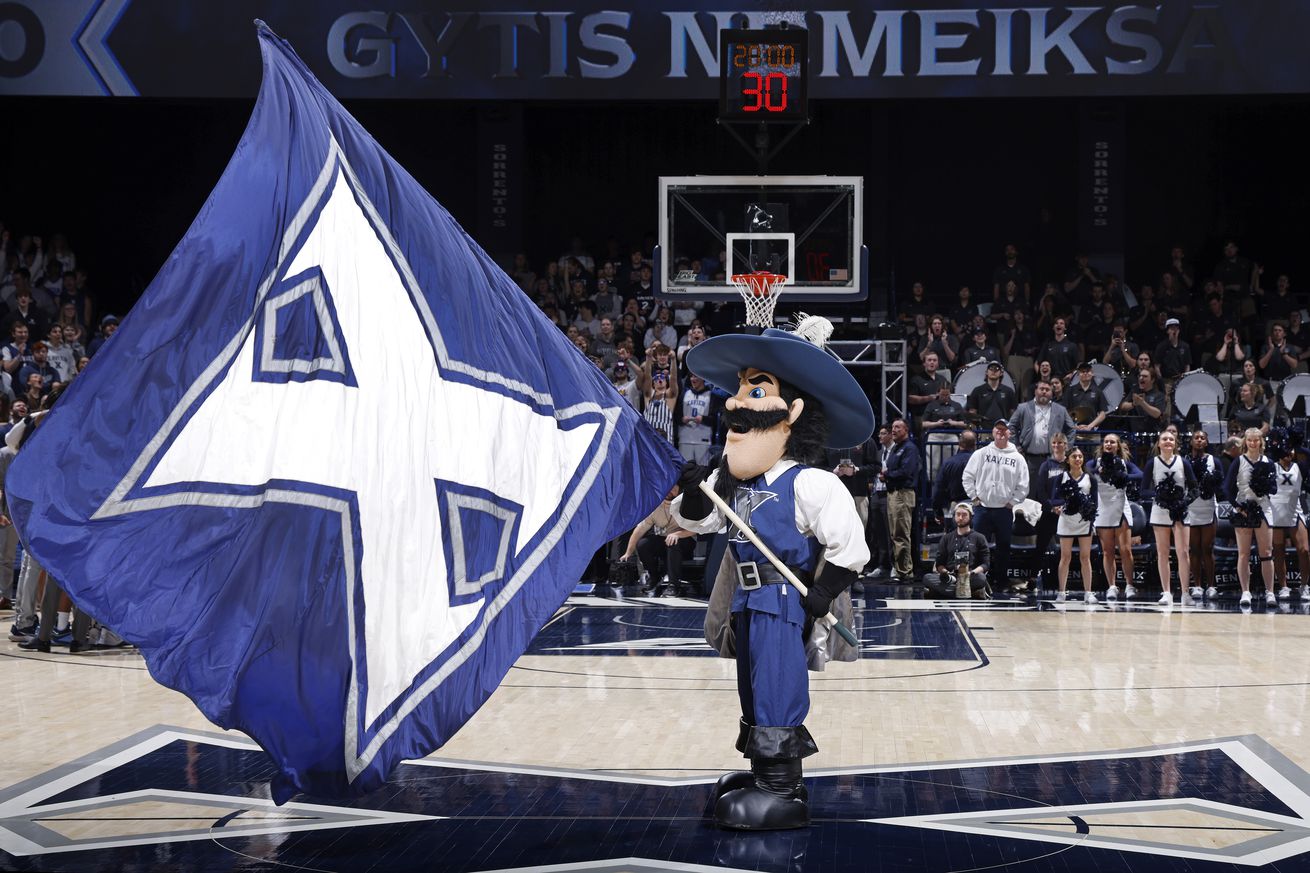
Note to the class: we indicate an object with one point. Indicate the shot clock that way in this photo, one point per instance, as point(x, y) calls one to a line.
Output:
point(763, 75)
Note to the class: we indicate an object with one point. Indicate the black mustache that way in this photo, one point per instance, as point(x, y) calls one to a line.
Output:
point(726, 485)
point(743, 420)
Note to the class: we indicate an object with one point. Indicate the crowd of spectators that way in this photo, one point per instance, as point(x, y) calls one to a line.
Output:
point(47, 310)
point(1018, 335)
point(608, 308)
point(1034, 351)
point(1066, 370)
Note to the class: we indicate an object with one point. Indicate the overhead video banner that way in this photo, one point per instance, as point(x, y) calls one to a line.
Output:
point(586, 49)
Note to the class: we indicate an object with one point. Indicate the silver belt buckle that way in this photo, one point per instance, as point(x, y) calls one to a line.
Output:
point(748, 574)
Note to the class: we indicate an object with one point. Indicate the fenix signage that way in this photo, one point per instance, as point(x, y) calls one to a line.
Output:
point(587, 50)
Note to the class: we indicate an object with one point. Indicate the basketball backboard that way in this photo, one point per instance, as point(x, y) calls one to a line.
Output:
point(808, 228)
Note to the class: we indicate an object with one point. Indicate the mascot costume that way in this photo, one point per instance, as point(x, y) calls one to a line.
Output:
point(790, 400)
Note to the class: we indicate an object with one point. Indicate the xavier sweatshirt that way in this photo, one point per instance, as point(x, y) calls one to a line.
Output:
point(995, 477)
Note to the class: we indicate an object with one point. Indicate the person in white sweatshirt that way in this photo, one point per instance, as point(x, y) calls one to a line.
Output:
point(996, 478)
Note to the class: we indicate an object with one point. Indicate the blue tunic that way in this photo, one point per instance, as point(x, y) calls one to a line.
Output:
point(772, 674)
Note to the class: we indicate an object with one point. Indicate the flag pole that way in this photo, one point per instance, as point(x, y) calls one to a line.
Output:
point(842, 630)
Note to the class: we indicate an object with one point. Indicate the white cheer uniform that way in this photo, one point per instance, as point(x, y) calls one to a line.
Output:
point(1285, 503)
point(1073, 525)
point(1112, 507)
point(1159, 471)
point(1201, 511)
point(1243, 488)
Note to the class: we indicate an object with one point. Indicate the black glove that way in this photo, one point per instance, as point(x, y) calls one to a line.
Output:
point(695, 505)
point(817, 603)
point(826, 588)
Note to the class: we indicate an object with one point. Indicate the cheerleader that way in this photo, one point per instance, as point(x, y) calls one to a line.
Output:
point(1074, 500)
point(1250, 482)
point(1172, 483)
point(1289, 521)
point(1200, 518)
point(1044, 484)
point(1114, 473)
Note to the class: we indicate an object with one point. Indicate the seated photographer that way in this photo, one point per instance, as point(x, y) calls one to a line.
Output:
point(962, 560)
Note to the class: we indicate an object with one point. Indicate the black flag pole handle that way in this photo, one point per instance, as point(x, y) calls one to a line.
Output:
point(830, 619)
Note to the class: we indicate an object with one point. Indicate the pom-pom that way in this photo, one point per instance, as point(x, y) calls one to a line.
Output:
point(1246, 513)
point(1296, 434)
point(1071, 495)
point(1172, 497)
point(1277, 444)
point(1209, 481)
point(1114, 471)
point(1264, 478)
point(1075, 501)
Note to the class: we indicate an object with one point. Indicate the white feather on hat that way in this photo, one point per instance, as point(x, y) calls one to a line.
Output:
point(814, 328)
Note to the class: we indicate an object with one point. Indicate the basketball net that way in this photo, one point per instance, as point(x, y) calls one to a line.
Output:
point(759, 291)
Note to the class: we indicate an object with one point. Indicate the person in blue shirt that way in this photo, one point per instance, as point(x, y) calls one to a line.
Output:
point(948, 490)
point(901, 476)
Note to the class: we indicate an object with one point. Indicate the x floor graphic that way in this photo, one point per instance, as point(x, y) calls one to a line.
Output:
point(195, 800)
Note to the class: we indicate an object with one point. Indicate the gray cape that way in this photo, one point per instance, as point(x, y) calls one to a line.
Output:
point(822, 646)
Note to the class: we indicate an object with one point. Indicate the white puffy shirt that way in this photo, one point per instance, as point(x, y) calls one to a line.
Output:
point(824, 510)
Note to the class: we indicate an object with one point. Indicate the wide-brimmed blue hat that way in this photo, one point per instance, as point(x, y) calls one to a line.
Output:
point(797, 361)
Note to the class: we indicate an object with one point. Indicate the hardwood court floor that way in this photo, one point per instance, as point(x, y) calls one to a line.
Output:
point(966, 738)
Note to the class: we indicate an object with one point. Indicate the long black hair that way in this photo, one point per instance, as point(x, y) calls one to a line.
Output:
point(809, 434)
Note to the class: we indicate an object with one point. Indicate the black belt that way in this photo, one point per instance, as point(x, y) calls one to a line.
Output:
point(752, 575)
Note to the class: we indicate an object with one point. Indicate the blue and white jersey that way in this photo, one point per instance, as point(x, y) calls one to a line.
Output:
point(695, 404)
point(1285, 503)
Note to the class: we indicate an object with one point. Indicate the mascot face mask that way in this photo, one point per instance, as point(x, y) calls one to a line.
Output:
point(759, 423)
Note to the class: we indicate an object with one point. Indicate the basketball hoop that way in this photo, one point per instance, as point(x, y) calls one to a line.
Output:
point(759, 291)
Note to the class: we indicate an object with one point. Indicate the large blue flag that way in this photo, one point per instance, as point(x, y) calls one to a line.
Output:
point(334, 471)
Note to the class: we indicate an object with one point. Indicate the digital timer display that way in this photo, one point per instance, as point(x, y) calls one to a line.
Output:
point(763, 75)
